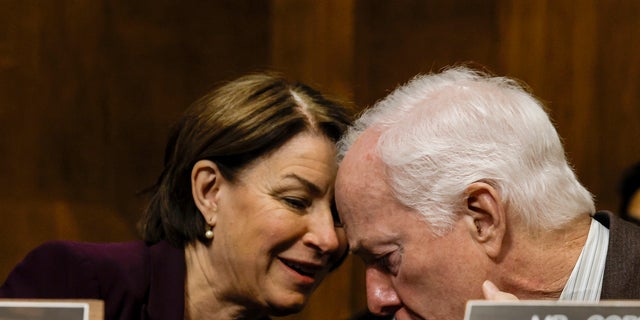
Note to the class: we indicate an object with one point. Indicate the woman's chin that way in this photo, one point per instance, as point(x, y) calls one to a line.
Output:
point(290, 306)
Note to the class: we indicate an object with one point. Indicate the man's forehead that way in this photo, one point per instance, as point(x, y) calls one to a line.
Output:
point(361, 161)
point(365, 231)
point(362, 191)
point(370, 215)
point(364, 147)
point(362, 186)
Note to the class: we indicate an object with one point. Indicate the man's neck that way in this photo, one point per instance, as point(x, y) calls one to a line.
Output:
point(538, 265)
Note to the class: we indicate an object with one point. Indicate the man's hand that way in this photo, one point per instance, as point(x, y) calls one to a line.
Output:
point(491, 292)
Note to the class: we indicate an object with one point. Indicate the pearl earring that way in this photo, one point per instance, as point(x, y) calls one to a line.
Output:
point(209, 233)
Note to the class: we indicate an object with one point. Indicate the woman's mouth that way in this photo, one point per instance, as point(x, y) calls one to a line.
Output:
point(306, 270)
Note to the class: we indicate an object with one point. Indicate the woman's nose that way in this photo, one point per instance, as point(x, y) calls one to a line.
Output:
point(321, 233)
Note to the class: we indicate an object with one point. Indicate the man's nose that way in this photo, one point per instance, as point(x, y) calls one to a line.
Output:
point(382, 298)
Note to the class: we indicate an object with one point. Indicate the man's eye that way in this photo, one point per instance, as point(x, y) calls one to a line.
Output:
point(388, 263)
point(336, 218)
point(383, 262)
point(296, 203)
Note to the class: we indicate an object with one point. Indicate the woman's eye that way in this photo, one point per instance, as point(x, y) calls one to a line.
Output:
point(336, 217)
point(296, 203)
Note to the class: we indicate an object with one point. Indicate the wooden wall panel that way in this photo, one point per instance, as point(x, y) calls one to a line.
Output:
point(396, 40)
point(581, 58)
point(312, 41)
point(618, 96)
point(88, 91)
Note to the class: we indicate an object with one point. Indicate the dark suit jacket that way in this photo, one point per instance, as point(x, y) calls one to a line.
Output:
point(622, 269)
point(136, 281)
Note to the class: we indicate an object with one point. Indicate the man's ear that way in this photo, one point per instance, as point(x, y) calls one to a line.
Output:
point(485, 217)
point(205, 188)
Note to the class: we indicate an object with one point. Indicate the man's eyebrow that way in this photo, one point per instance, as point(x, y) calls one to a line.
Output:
point(358, 249)
point(310, 186)
point(355, 249)
point(369, 249)
point(363, 253)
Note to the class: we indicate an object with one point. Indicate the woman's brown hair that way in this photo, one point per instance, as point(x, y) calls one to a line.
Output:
point(231, 126)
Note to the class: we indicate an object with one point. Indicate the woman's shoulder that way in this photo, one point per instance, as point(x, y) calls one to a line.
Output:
point(116, 260)
point(57, 250)
point(83, 269)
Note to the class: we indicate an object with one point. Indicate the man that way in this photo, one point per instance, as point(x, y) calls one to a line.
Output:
point(458, 181)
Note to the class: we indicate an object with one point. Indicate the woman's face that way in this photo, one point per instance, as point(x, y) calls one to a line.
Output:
point(275, 234)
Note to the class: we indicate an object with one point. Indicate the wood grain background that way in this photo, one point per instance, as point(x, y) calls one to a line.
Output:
point(89, 88)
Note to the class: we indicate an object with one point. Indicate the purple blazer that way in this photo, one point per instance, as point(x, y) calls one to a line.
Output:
point(135, 280)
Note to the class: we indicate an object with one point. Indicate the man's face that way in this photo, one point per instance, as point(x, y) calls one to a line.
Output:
point(409, 271)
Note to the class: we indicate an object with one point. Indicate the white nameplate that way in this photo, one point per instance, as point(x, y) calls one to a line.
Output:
point(552, 310)
point(50, 309)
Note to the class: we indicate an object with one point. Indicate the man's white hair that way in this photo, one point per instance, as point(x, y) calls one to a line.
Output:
point(441, 132)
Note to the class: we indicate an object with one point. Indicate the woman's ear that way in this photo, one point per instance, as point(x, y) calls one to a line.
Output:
point(485, 217)
point(205, 188)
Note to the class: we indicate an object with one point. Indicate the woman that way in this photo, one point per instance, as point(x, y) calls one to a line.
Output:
point(241, 222)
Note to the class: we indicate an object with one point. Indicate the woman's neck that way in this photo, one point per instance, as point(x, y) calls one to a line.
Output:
point(206, 298)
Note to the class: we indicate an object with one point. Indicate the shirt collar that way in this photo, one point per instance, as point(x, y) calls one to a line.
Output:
point(585, 282)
